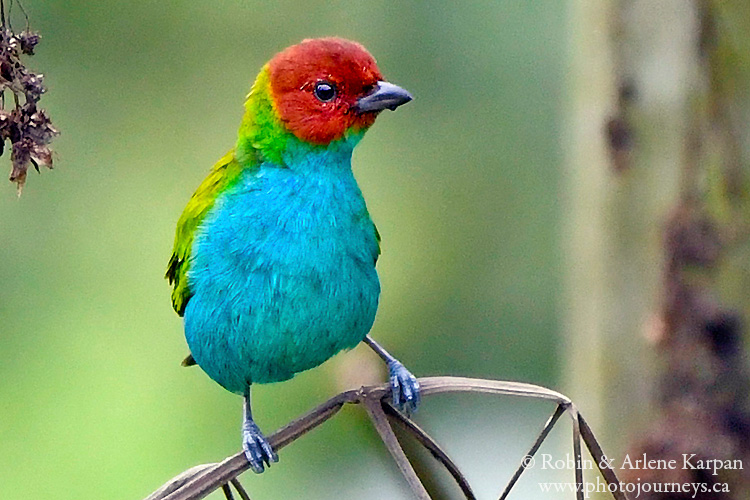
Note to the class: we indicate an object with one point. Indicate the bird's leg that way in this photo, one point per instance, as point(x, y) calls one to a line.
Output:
point(404, 386)
point(257, 449)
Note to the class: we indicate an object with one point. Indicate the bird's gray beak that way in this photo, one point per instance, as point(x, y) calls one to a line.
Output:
point(384, 96)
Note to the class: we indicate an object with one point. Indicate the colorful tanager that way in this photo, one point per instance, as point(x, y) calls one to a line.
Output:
point(274, 258)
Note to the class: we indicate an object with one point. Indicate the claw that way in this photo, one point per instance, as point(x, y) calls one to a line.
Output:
point(396, 391)
point(257, 448)
point(404, 388)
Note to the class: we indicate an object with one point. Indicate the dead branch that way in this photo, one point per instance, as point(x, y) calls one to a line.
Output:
point(200, 481)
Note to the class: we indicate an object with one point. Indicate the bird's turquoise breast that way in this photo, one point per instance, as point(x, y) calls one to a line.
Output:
point(282, 273)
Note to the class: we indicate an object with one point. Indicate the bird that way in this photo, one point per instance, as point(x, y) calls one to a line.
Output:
point(273, 265)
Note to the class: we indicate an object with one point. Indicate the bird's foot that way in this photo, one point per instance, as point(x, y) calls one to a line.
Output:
point(257, 448)
point(404, 388)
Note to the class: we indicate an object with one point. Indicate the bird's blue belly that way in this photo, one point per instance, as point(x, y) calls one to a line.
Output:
point(282, 275)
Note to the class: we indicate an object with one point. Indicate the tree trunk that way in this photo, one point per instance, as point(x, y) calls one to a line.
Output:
point(656, 229)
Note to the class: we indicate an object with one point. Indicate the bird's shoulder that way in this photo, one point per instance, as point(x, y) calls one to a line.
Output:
point(221, 177)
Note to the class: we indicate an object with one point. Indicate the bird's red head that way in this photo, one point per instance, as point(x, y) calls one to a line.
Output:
point(323, 87)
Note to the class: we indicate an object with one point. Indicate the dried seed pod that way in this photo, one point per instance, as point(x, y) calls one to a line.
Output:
point(28, 41)
point(27, 127)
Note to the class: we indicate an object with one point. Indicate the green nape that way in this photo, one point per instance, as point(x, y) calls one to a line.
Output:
point(261, 129)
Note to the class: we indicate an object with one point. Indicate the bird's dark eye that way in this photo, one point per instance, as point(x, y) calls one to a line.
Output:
point(325, 91)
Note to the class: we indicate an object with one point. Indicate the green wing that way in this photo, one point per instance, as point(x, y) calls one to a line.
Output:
point(221, 177)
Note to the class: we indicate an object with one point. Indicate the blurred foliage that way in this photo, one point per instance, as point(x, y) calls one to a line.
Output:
point(462, 184)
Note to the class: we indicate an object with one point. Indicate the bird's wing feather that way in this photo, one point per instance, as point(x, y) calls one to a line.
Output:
point(378, 239)
point(222, 176)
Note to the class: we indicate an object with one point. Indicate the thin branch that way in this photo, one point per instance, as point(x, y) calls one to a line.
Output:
point(596, 451)
point(527, 459)
point(238, 486)
point(577, 452)
point(25, 15)
point(227, 491)
point(380, 421)
point(207, 478)
point(200, 481)
point(439, 385)
point(179, 481)
point(432, 446)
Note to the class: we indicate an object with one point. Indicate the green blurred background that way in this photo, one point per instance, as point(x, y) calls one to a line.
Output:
point(463, 184)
